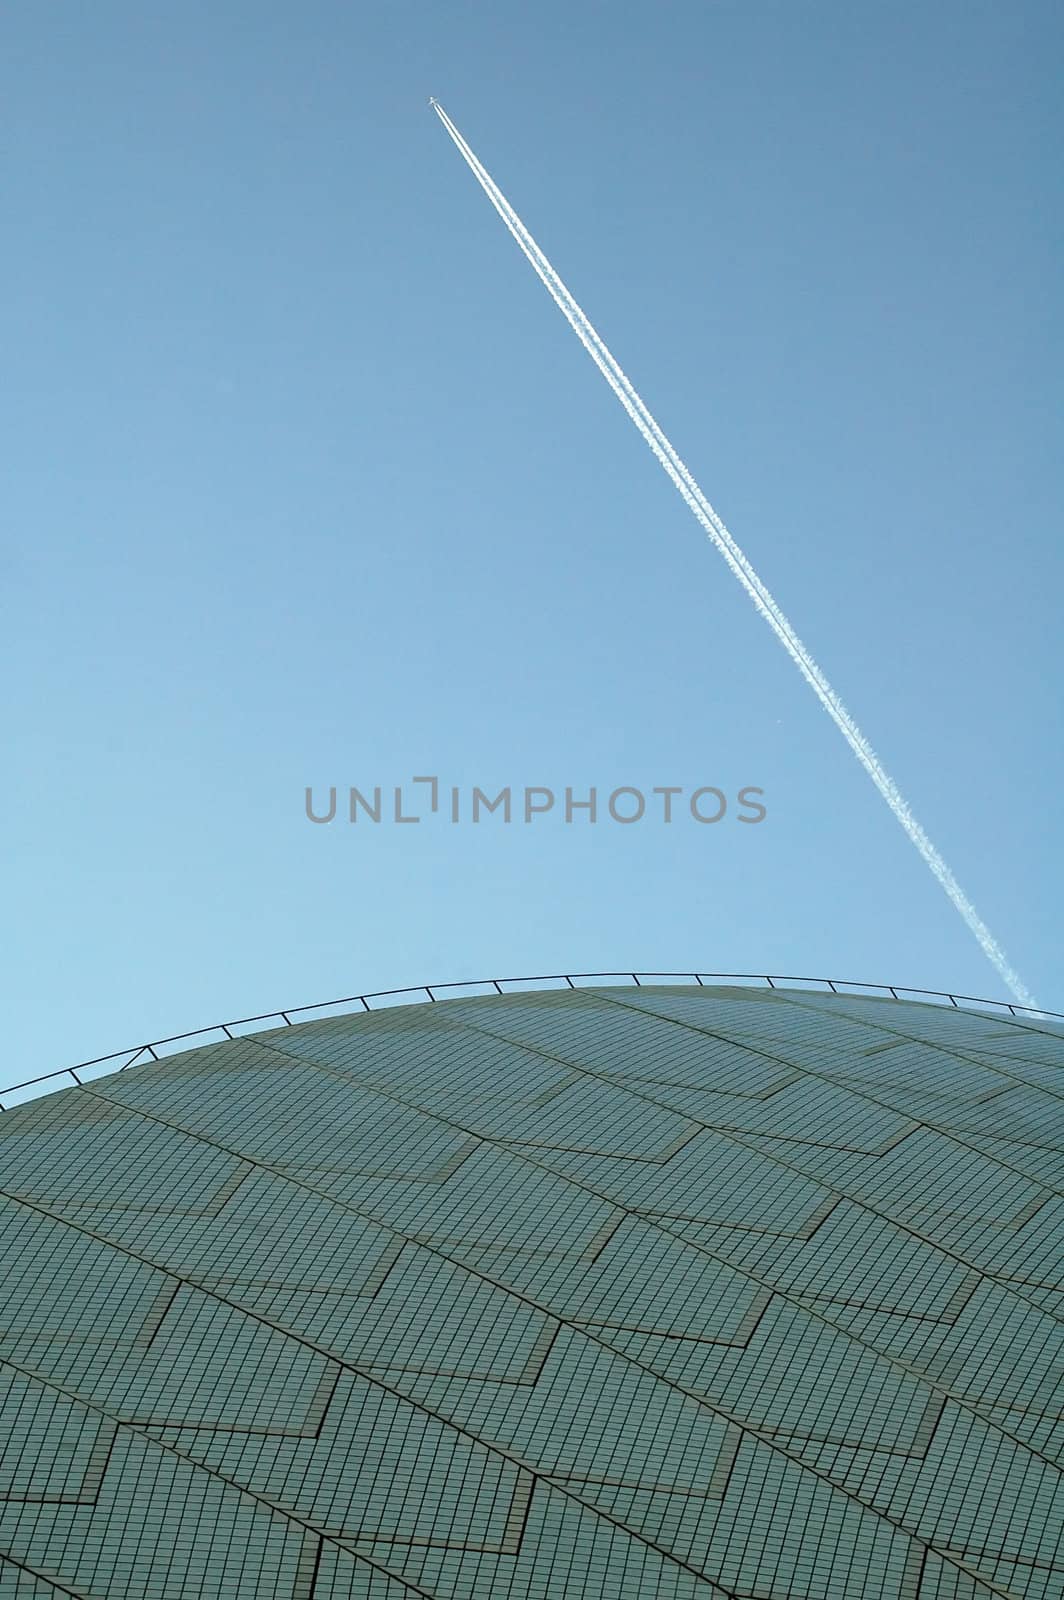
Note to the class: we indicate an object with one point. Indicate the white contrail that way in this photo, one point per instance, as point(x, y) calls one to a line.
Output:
point(739, 564)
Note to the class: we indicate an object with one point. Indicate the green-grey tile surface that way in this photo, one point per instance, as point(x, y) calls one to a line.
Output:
point(617, 1294)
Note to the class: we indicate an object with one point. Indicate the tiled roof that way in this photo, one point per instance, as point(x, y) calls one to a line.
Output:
point(616, 1294)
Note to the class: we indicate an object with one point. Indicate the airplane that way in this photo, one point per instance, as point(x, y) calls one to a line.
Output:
point(432, 102)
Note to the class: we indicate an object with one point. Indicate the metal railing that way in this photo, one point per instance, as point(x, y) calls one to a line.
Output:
point(157, 1050)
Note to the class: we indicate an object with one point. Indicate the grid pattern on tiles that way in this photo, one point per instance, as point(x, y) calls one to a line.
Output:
point(11, 1093)
point(617, 1293)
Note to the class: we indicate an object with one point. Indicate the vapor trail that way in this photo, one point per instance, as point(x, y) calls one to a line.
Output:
point(740, 566)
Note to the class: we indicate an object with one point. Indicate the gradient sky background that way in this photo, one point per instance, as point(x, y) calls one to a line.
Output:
point(309, 483)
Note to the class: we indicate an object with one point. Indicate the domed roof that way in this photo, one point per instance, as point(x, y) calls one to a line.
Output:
point(619, 1292)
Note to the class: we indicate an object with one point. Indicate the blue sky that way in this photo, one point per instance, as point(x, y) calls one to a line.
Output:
point(309, 483)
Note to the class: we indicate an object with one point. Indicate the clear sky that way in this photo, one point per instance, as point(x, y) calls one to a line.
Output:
point(308, 483)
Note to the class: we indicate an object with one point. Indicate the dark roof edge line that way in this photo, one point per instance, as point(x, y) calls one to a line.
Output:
point(424, 992)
